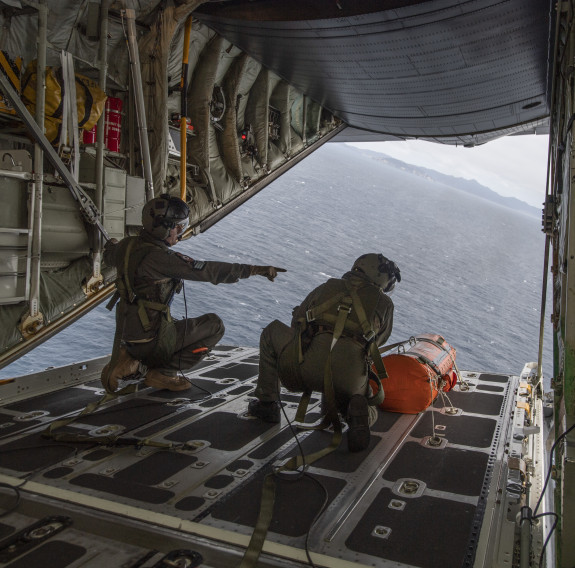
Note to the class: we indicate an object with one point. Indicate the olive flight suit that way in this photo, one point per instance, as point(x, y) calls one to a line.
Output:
point(155, 274)
point(282, 348)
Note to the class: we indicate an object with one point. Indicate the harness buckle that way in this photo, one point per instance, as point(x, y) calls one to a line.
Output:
point(369, 337)
point(344, 307)
point(309, 316)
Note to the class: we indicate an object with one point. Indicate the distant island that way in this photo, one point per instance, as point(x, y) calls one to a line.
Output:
point(468, 185)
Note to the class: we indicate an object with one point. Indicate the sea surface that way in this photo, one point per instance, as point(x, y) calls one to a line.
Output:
point(471, 270)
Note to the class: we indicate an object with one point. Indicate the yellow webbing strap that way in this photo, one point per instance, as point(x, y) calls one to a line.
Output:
point(258, 538)
point(57, 424)
point(369, 336)
point(302, 407)
point(51, 433)
point(254, 549)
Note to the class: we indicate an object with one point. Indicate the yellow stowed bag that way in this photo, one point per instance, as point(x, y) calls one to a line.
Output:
point(11, 67)
point(90, 100)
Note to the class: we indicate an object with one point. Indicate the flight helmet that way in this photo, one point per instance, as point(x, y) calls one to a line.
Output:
point(162, 214)
point(379, 270)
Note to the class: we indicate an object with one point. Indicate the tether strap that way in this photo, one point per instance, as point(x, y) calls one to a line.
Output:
point(69, 437)
point(51, 433)
point(258, 538)
point(369, 336)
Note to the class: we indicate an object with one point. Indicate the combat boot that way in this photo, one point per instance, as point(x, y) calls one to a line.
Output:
point(266, 411)
point(358, 434)
point(158, 380)
point(126, 366)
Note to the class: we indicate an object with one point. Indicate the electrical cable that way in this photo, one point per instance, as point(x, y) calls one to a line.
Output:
point(16, 490)
point(547, 477)
point(550, 468)
point(542, 555)
point(208, 393)
point(300, 475)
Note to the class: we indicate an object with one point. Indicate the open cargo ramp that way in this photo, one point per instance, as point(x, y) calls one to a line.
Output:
point(184, 476)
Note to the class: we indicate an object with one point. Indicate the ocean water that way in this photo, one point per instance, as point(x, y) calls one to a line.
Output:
point(471, 270)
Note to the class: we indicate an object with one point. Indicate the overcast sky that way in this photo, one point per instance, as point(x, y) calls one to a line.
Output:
point(513, 166)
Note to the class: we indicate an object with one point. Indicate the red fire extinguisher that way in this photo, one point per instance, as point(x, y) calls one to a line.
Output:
point(112, 126)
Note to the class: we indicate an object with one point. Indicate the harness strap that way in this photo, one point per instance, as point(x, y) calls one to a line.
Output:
point(159, 307)
point(369, 335)
point(120, 321)
point(302, 407)
point(257, 540)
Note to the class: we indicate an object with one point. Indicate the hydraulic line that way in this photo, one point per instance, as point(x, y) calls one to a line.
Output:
point(184, 108)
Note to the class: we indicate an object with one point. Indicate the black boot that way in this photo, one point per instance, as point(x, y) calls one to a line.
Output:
point(266, 411)
point(358, 433)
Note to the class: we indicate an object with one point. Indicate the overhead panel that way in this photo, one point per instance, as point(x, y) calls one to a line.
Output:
point(453, 70)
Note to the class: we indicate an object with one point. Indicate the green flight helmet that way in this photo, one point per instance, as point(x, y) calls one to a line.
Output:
point(162, 214)
point(378, 269)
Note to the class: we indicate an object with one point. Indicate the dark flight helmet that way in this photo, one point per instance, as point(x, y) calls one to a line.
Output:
point(164, 213)
point(379, 270)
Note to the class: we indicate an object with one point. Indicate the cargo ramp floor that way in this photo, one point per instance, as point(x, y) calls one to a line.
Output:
point(181, 485)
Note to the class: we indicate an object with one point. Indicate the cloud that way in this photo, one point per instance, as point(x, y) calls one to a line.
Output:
point(513, 166)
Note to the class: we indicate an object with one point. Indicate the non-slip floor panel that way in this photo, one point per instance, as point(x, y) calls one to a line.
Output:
point(56, 404)
point(5, 530)
point(341, 460)
point(223, 430)
point(215, 471)
point(385, 420)
point(130, 414)
point(122, 488)
point(297, 502)
point(241, 371)
point(53, 554)
point(171, 421)
point(11, 425)
point(271, 446)
point(490, 388)
point(494, 378)
point(462, 430)
point(36, 452)
point(475, 402)
point(156, 468)
point(199, 390)
point(446, 469)
point(443, 542)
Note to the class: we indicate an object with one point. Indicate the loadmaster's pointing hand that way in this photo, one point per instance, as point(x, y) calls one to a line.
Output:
point(270, 272)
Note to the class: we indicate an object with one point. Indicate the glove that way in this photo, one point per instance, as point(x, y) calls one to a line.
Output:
point(270, 272)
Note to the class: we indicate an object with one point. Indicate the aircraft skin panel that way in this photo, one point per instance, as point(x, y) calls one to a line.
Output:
point(487, 59)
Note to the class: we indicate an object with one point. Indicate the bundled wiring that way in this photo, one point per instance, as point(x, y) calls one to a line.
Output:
point(547, 478)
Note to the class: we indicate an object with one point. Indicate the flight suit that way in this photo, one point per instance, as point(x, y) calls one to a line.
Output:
point(280, 345)
point(156, 277)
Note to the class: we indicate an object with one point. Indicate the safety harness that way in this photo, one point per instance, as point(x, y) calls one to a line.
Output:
point(135, 252)
point(335, 313)
point(161, 353)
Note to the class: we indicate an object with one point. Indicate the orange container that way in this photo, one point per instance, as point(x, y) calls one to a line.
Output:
point(416, 374)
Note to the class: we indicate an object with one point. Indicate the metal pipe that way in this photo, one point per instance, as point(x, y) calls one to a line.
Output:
point(184, 108)
point(525, 537)
point(38, 185)
point(102, 76)
point(17, 175)
point(139, 99)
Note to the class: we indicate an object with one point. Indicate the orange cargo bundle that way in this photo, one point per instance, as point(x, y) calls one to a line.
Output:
point(417, 374)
